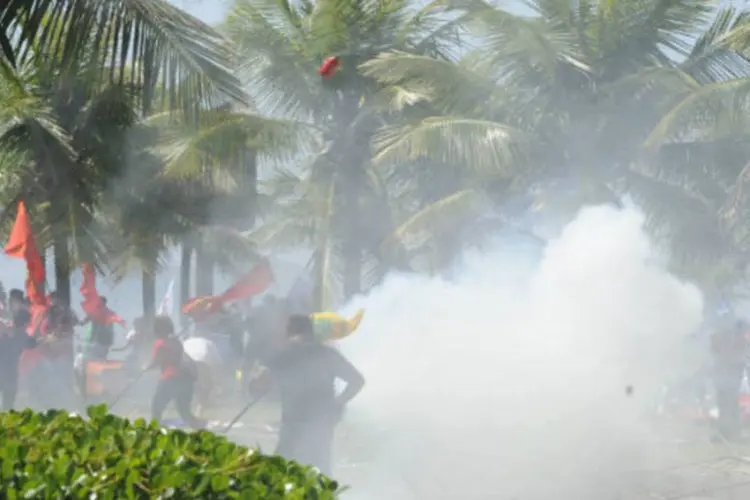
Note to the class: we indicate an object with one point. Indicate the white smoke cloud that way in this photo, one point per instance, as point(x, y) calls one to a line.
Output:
point(509, 380)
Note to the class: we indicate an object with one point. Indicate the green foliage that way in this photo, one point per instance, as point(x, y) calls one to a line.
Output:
point(439, 114)
point(57, 455)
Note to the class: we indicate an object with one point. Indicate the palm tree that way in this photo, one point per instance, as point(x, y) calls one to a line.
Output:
point(333, 202)
point(104, 62)
point(701, 142)
point(146, 43)
point(585, 82)
point(213, 162)
point(72, 134)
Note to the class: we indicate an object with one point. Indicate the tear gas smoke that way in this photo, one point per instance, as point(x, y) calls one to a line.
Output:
point(509, 381)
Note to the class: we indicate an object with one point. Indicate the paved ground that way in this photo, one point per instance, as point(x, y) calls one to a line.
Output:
point(686, 466)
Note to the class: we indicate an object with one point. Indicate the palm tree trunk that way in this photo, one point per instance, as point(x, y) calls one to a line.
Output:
point(186, 261)
point(62, 266)
point(148, 292)
point(352, 254)
point(319, 299)
point(204, 273)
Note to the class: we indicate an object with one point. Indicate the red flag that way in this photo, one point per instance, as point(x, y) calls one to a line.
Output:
point(255, 282)
point(21, 245)
point(329, 67)
point(92, 303)
point(201, 306)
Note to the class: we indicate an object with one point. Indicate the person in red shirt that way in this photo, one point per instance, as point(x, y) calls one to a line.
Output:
point(178, 375)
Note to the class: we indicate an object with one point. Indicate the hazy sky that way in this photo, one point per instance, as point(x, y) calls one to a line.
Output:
point(212, 11)
point(209, 11)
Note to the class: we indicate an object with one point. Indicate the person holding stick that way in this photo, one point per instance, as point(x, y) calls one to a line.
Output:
point(178, 374)
point(306, 371)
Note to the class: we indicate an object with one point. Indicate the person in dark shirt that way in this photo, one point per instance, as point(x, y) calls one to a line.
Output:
point(729, 347)
point(101, 336)
point(306, 371)
point(16, 301)
point(13, 342)
point(178, 375)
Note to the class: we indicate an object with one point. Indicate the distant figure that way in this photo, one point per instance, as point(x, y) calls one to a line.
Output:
point(209, 365)
point(16, 301)
point(100, 337)
point(178, 374)
point(61, 320)
point(729, 347)
point(13, 342)
point(306, 372)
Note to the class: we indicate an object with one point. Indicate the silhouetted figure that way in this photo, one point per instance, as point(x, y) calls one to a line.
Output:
point(101, 337)
point(729, 348)
point(306, 372)
point(13, 342)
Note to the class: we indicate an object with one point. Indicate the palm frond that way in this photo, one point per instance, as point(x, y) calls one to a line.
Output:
point(437, 218)
point(277, 64)
point(464, 143)
point(522, 49)
point(153, 39)
point(688, 223)
point(226, 136)
point(711, 60)
point(436, 30)
point(413, 78)
point(15, 168)
point(653, 29)
point(294, 222)
point(732, 30)
point(711, 111)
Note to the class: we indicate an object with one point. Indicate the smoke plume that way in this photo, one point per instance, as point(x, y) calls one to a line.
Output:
point(509, 381)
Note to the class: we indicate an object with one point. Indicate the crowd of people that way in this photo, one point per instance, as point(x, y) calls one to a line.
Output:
point(47, 351)
point(276, 348)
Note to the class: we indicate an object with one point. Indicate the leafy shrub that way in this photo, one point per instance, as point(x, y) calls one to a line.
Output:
point(56, 455)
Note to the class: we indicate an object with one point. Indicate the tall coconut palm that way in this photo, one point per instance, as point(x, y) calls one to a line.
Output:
point(702, 142)
point(587, 81)
point(332, 201)
point(214, 162)
point(72, 132)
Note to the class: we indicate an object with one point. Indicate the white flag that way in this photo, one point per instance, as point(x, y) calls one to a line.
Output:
point(166, 305)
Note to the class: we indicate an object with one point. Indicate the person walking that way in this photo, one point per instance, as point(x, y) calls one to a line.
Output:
point(178, 374)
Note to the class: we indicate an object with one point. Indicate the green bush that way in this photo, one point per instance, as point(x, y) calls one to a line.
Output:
point(56, 455)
